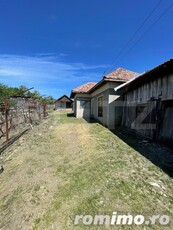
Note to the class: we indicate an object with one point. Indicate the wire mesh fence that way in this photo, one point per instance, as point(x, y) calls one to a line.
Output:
point(18, 114)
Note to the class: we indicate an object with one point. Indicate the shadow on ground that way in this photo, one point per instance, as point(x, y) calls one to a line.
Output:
point(70, 115)
point(158, 154)
point(89, 120)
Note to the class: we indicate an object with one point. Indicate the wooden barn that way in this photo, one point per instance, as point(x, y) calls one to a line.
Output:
point(148, 104)
point(63, 103)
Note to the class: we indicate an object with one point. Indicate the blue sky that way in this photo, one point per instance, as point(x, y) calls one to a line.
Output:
point(56, 45)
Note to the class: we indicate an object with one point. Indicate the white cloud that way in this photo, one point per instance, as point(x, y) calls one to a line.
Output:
point(46, 72)
point(10, 72)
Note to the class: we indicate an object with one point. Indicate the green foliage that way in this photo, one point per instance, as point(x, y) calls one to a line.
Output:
point(49, 99)
point(6, 91)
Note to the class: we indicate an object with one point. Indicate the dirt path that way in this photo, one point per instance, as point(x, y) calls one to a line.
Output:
point(30, 179)
point(65, 167)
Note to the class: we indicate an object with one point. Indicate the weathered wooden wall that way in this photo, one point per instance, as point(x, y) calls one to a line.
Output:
point(153, 101)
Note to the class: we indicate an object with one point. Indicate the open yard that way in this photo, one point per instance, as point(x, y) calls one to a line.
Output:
point(66, 167)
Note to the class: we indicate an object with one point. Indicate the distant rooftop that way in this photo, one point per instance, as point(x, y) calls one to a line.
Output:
point(120, 74)
point(83, 88)
point(63, 98)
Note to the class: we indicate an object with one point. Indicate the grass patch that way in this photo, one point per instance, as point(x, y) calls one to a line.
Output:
point(94, 172)
point(10, 200)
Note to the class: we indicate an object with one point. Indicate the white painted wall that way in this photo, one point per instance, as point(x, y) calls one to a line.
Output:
point(79, 110)
point(112, 112)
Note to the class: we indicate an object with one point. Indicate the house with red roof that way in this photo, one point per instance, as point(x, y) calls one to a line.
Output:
point(99, 101)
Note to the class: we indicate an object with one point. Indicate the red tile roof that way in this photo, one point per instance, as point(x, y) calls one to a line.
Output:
point(159, 71)
point(84, 88)
point(120, 74)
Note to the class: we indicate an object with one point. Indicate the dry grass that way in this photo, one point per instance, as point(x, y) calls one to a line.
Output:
point(67, 167)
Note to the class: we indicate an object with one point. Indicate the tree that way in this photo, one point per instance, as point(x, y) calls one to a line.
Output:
point(6, 91)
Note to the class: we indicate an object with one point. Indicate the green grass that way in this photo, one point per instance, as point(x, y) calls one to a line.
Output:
point(90, 171)
point(109, 177)
point(66, 118)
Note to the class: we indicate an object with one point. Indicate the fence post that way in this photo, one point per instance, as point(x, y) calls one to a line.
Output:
point(39, 110)
point(6, 118)
point(44, 109)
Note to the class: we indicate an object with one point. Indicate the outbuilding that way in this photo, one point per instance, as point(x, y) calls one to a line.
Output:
point(63, 103)
point(148, 104)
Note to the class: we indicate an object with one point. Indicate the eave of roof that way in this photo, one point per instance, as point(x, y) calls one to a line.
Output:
point(62, 97)
point(83, 89)
point(118, 75)
point(73, 93)
point(146, 76)
point(102, 82)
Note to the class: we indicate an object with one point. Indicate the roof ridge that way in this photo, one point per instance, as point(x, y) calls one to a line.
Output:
point(120, 74)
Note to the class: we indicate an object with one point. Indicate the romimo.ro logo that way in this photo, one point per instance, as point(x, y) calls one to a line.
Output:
point(116, 219)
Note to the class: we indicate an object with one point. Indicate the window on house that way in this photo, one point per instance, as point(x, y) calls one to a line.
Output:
point(100, 106)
